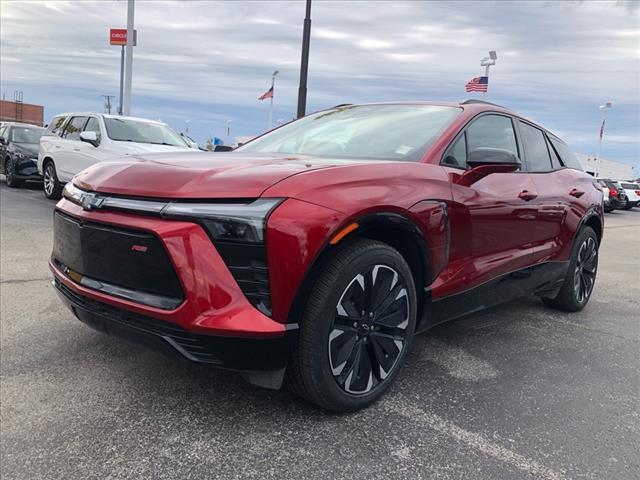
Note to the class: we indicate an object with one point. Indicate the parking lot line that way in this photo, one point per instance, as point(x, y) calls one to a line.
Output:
point(479, 442)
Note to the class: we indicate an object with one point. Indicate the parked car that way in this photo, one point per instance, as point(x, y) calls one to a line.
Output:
point(19, 152)
point(606, 198)
point(632, 192)
point(317, 251)
point(75, 141)
point(617, 195)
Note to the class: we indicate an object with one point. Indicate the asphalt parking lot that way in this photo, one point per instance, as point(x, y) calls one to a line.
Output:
point(520, 391)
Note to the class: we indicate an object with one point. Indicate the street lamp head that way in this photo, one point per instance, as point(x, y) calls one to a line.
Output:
point(493, 55)
point(606, 106)
point(276, 73)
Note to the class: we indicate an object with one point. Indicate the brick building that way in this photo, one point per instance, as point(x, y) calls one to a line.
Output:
point(21, 112)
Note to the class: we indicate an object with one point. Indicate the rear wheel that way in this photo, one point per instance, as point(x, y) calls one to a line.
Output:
point(52, 187)
point(10, 173)
point(628, 205)
point(581, 276)
point(357, 328)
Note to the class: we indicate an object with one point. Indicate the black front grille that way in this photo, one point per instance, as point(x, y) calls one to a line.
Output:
point(188, 344)
point(248, 265)
point(133, 259)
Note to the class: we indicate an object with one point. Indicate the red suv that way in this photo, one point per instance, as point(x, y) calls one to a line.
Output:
point(313, 254)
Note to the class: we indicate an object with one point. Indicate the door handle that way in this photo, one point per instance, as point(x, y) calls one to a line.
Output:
point(76, 149)
point(576, 193)
point(526, 195)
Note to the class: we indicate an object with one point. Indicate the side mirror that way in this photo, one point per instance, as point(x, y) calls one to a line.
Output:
point(89, 137)
point(485, 161)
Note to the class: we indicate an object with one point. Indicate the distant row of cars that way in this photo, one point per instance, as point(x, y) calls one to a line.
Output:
point(74, 141)
point(619, 195)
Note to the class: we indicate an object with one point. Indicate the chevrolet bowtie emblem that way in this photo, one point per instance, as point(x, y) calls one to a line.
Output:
point(91, 201)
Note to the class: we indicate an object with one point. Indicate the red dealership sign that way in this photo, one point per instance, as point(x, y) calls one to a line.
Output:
point(118, 36)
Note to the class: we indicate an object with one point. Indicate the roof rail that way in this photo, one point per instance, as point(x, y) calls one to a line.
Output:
point(342, 105)
point(482, 102)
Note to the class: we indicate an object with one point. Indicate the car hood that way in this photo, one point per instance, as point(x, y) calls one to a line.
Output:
point(130, 148)
point(28, 149)
point(196, 174)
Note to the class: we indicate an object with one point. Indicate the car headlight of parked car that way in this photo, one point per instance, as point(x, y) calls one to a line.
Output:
point(232, 222)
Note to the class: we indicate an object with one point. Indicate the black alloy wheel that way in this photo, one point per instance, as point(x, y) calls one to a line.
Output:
point(581, 273)
point(357, 328)
point(584, 276)
point(369, 329)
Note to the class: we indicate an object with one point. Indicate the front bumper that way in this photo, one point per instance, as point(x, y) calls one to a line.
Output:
point(243, 354)
point(27, 169)
point(215, 323)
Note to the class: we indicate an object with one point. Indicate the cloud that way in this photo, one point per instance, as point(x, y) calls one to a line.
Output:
point(208, 61)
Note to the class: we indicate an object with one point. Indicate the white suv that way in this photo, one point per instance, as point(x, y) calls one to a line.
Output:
point(75, 141)
point(632, 190)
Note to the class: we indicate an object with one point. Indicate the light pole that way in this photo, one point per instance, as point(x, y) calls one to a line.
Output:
point(273, 81)
point(603, 113)
point(486, 62)
point(304, 62)
point(186, 127)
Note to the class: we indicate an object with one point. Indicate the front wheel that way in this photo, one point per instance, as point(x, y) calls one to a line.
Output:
point(581, 275)
point(628, 205)
point(357, 328)
point(51, 184)
point(10, 173)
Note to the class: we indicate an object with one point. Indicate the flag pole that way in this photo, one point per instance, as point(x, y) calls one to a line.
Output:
point(603, 112)
point(273, 81)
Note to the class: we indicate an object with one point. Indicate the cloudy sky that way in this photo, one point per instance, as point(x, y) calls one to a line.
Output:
point(204, 62)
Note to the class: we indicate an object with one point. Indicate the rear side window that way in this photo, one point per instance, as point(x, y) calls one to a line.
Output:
point(565, 153)
point(630, 186)
point(55, 126)
point(492, 131)
point(535, 148)
point(74, 127)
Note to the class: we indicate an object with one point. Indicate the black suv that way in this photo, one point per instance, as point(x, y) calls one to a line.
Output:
point(19, 143)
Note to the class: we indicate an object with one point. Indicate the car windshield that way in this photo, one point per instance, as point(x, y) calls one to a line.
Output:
point(377, 132)
point(125, 130)
point(25, 135)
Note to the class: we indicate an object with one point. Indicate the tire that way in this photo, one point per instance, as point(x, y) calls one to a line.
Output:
point(10, 173)
point(609, 210)
point(338, 362)
point(627, 206)
point(581, 275)
point(51, 184)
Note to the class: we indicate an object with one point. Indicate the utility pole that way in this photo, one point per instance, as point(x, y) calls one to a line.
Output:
point(273, 81)
point(603, 113)
point(304, 63)
point(126, 104)
point(107, 102)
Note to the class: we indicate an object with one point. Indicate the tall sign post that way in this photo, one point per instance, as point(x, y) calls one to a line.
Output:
point(128, 67)
point(118, 36)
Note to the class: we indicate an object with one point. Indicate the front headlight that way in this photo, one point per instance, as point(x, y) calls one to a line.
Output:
point(233, 222)
point(243, 222)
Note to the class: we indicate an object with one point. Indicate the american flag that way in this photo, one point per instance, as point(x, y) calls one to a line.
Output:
point(477, 84)
point(267, 94)
point(602, 130)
